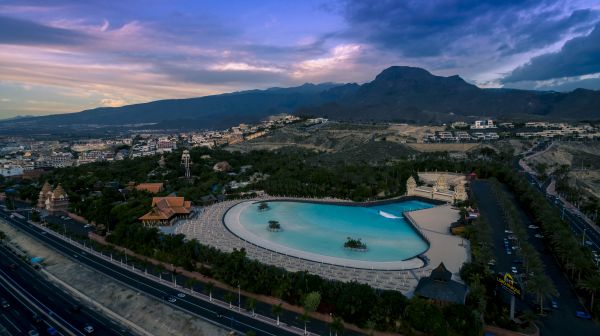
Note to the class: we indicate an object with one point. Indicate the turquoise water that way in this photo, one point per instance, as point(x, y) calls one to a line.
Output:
point(323, 228)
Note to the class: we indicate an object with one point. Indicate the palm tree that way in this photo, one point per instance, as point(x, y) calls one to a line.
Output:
point(304, 318)
point(592, 285)
point(228, 297)
point(251, 304)
point(543, 287)
point(277, 309)
point(337, 326)
point(208, 289)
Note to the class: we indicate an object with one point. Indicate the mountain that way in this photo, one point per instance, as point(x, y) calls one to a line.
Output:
point(413, 94)
point(398, 93)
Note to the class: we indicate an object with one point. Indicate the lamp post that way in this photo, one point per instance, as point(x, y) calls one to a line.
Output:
point(239, 298)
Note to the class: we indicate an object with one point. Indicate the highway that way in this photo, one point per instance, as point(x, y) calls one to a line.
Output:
point(577, 223)
point(240, 320)
point(61, 306)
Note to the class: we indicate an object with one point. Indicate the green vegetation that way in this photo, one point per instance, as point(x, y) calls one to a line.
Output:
point(355, 244)
point(274, 225)
point(536, 279)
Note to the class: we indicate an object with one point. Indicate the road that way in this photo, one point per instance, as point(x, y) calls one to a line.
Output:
point(234, 319)
point(561, 321)
point(53, 299)
point(580, 225)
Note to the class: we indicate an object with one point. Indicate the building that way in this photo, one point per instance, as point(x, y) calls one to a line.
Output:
point(166, 211)
point(53, 201)
point(440, 191)
point(153, 188)
point(483, 124)
point(439, 287)
point(11, 170)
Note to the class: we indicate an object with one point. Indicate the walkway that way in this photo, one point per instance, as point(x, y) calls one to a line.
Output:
point(208, 229)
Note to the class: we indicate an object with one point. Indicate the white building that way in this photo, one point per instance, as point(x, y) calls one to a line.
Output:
point(11, 170)
point(483, 124)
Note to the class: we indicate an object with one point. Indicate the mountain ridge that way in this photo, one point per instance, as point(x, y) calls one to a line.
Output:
point(398, 93)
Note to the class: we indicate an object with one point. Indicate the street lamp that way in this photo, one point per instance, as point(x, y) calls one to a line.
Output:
point(239, 298)
point(583, 236)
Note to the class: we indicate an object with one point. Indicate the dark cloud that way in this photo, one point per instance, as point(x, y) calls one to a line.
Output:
point(579, 56)
point(431, 28)
point(18, 31)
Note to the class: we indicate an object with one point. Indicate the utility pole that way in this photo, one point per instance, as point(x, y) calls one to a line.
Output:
point(583, 236)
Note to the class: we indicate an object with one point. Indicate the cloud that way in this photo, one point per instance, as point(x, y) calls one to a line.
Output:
point(24, 32)
point(468, 27)
point(579, 56)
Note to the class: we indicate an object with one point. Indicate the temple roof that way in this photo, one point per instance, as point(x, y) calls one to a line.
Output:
point(164, 208)
point(439, 286)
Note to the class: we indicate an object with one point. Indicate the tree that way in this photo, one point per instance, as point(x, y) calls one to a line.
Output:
point(2, 236)
point(304, 318)
point(228, 297)
point(208, 289)
point(543, 287)
point(251, 304)
point(592, 285)
point(337, 326)
point(190, 282)
point(311, 303)
point(277, 309)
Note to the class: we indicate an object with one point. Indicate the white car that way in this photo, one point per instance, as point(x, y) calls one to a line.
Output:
point(538, 236)
point(533, 227)
point(514, 270)
point(181, 295)
point(88, 329)
point(172, 299)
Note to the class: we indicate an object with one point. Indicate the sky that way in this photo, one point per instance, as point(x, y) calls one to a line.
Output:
point(69, 55)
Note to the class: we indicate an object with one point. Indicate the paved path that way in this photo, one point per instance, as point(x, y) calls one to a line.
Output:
point(209, 229)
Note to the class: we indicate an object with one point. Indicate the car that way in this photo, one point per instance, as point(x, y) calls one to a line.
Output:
point(76, 308)
point(4, 303)
point(513, 269)
point(535, 227)
point(554, 304)
point(51, 331)
point(87, 225)
point(492, 262)
point(172, 299)
point(509, 252)
point(583, 315)
point(88, 329)
point(43, 232)
point(181, 295)
point(589, 243)
point(36, 318)
point(508, 231)
point(33, 333)
point(518, 261)
point(538, 236)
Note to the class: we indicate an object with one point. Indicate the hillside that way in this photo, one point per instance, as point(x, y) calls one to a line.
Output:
point(401, 94)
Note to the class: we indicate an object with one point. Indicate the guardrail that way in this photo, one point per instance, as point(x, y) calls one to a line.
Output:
point(158, 279)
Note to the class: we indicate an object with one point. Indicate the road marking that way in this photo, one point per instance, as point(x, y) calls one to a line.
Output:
point(55, 238)
point(12, 324)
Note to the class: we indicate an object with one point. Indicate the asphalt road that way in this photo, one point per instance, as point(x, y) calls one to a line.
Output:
point(561, 321)
point(55, 299)
point(240, 321)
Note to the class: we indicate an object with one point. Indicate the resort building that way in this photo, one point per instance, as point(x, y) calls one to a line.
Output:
point(153, 188)
point(440, 288)
point(440, 191)
point(53, 201)
point(166, 211)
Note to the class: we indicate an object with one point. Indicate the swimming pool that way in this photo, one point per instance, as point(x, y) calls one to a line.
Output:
point(318, 231)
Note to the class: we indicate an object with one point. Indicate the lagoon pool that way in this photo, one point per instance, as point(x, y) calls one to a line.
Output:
point(317, 232)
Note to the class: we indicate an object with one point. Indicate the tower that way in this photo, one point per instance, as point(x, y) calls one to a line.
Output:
point(186, 162)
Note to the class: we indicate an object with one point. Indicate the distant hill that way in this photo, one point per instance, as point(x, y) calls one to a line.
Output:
point(398, 93)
